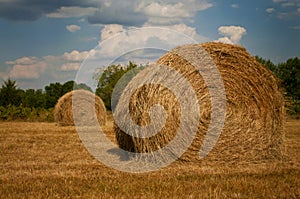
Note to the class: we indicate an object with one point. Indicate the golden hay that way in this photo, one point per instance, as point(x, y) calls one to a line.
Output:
point(253, 129)
point(82, 110)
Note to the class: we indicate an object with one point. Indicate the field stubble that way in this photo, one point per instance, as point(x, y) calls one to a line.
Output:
point(42, 160)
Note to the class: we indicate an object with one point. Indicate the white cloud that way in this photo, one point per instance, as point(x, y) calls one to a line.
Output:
point(171, 12)
point(234, 5)
point(270, 10)
point(27, 68)
point(225, 40)
point(73, 28)
point(132, 38)
point(155, 9)
point(23, 61)
point(70, 12)
point(232, 34)
point(186, 30)
point(139, 12)
point(76, 55)
point(70, 66)
point(28, 71)
point(111, 30)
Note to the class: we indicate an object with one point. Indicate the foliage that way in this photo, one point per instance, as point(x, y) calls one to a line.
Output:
point(9, 94)
point(267, 63)
point(12, 113)
point(110, 77)
point(289, 74)
point(32, 105)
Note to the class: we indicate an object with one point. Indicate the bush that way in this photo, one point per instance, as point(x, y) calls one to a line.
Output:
point(19, 113)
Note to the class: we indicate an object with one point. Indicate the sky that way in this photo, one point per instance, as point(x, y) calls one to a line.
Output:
point(43, 42)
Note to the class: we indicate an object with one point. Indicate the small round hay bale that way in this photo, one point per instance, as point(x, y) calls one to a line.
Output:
point(83, 110)
point(253, 129)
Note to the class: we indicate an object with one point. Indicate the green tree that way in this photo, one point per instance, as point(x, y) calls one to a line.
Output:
point(268, 64)
point(82, 86)
point(109, 78)
point(33, 99)
point(53, 92)
point(289, 73)
point(68, 86)
point(10, 94)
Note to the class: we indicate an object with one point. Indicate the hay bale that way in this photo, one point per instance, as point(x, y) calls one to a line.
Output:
point(253, 129)
point(88, 109)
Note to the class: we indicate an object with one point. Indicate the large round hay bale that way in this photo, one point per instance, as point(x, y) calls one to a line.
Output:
point(80, 107)
point(253, 128)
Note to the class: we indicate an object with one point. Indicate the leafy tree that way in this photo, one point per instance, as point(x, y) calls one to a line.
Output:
point(82, 86)
point(289, 73)
point(33, 98)
point(72, 85)
point(53, 92)
point(68, 86)
point(9, 94)
point(109, 78)
point(268, 64)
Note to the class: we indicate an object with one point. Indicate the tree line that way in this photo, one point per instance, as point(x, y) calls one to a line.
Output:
point(10, 95)
point(18, 103)
point(288, 74)
point(30, 104)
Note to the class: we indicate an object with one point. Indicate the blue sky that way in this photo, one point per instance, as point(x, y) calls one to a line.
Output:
point(47, 41)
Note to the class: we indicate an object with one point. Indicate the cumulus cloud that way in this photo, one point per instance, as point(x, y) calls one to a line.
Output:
point(182, 28)
point(23, 61)
point(171, 12)
point(270, 10)
point(73, 28)
point(232, 34)
point(76, 55)
point(70, 66)
point(27, 68)
point(156, 9)
point(111, 30)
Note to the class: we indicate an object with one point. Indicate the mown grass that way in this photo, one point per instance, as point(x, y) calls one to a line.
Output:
point(42, 160)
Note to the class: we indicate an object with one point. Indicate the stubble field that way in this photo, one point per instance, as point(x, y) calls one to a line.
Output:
point(42, 160)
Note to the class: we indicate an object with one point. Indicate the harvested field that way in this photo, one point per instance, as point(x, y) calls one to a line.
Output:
point(42, 160)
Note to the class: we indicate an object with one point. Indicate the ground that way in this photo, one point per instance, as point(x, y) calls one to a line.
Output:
point(42, 160)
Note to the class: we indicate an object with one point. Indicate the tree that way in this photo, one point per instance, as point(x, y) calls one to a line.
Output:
point(67, 87)
point(268, 64)
point(289, 73)
point(110, 77)
point(53, 92)
point(9, 94)
point(82, 86)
